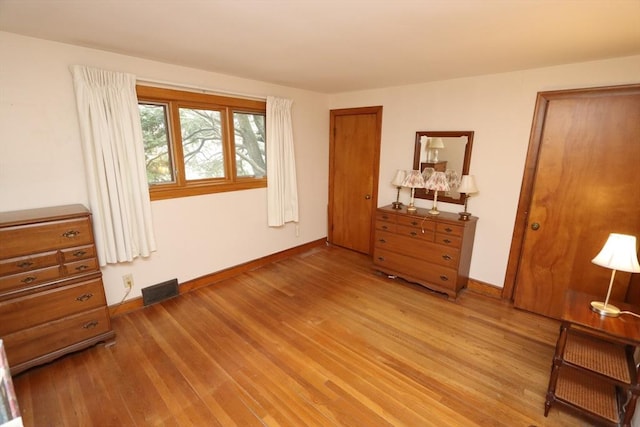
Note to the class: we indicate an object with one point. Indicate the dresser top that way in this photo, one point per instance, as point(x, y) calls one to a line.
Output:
point(28, 216)
point(424, 213)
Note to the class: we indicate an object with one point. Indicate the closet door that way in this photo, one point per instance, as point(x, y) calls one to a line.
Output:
point(354, 158)
point(582, 182)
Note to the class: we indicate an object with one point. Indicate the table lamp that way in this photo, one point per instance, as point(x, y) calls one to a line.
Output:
point(436, 182)
point(397, 182)
point(413, 180)
point(618, 253)
point(467, 187)
point(433, 145)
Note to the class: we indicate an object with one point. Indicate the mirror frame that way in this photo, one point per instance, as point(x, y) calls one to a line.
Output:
point(421, 193)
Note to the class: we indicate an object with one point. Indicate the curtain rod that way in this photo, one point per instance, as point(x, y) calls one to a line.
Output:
point(200, 89)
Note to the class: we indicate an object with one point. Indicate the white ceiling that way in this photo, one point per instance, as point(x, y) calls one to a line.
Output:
point(340, 45)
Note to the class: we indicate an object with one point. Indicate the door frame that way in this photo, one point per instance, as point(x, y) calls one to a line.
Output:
point(377, 110)
point(531, 166)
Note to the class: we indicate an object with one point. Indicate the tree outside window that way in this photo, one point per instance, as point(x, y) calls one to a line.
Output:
point(198, 144)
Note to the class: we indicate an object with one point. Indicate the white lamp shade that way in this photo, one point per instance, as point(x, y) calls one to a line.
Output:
point(414, 180)
point(619, 253)
point(435, 143)
point(397, 180)
point(468, 185)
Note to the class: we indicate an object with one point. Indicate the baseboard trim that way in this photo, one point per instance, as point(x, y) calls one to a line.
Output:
point(483, 288)
point(199, 282)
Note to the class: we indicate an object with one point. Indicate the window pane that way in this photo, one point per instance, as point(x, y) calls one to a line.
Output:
point(249, 145)
point(153, 118)
point(202, 143)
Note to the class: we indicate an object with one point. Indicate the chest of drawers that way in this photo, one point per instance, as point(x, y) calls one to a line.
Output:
point(52, 299)
point(431, 250)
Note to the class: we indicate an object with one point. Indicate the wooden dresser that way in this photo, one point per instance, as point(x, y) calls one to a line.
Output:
point(431, 250)
point(52, 299)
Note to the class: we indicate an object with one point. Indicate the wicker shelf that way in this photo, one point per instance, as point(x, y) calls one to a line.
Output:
point(591, 394)
point(606, 358)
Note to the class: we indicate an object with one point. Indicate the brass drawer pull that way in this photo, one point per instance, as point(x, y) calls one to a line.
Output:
point(448, 229)
point(84, 297)
point(382, 241)
point(446, 257)
point(79, 253)
point(385, 217)
point(70, 234)
point(413, 234)
point(414, 223)
point(90, 325)
point(447, 241)
point(380, 258)
point(82, 267)
point(384, 227)
point(25, 264)
point(444, 278)
point(29, 279)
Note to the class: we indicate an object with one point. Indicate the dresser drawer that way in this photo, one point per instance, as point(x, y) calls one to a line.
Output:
point(82, 266)
point(385, 216)
point(417, 250)
point(449, 229)
point(448, 240)
point(22, 239)
point(55, 335)
point(441, 276)
point(386, 226)
point(420, 223)
point(29, 278)
point(29, 262)
point(34, 309)
point(415, 233)
point(82, 252)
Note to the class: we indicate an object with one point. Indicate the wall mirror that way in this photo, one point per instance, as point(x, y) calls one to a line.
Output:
point(443, 150)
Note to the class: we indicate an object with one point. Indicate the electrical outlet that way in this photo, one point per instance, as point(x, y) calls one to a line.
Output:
point(127, 281)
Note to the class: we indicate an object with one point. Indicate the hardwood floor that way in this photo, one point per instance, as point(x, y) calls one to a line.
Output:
point(317, 339)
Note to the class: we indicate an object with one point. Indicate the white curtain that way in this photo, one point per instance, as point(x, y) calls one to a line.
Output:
point(114, 161)
point(282, 187)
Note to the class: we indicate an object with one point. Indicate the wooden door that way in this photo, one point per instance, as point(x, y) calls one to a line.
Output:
point(354, 157)
point(582, 182)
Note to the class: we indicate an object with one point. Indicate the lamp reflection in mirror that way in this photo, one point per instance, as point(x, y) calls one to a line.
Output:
point(619, 253)
point(436, 182)
point(433, 145)
point(453, 179)
point(397, 182)
point(413, 180)
point(467, 187)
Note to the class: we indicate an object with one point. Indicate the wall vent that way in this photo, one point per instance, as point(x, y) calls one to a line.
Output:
point(160, 292)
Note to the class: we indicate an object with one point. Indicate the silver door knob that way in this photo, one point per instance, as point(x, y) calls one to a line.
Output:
point(367, 197)
point(535, 226)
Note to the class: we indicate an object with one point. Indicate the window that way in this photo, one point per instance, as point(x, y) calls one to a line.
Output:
point(198, 144)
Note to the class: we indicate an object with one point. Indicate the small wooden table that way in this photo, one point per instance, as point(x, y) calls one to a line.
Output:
point(593, 368)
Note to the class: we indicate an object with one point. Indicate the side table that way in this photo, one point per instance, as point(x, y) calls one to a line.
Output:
point(594, 370)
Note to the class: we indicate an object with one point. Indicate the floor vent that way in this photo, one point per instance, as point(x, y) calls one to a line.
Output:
point(160, 292)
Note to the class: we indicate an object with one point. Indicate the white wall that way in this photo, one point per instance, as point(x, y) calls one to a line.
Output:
point(41, 163)
point(499, 108)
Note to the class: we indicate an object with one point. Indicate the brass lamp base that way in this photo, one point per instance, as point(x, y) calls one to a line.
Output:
point(464, 216)
point(605, 309)
point(434, 212)
point(396, 205)
point(411, 208)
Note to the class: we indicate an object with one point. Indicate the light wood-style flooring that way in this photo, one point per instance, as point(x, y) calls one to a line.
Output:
point(317, 339)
